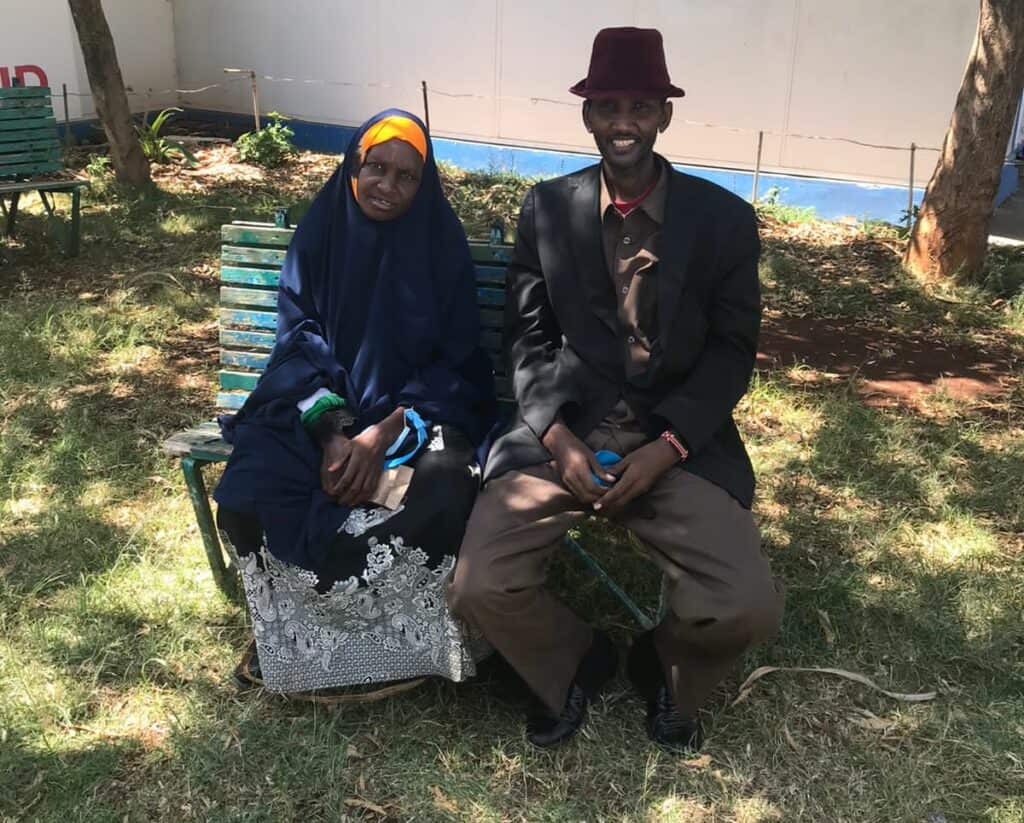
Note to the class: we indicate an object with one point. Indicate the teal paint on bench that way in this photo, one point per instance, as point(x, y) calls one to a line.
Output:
point(30, 149)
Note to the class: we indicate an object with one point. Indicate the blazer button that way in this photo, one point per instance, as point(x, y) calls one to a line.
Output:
point(631, 339)
point(627, 240)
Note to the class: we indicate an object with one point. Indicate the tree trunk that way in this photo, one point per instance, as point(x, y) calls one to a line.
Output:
point(950, 237)
point(107, 85)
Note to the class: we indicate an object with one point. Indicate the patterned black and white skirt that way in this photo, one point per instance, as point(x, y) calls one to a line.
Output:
point(375, 611)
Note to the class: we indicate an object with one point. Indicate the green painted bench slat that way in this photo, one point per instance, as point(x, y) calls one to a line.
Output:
point(27, 169)
point(247, 339)
point(27, 136)
point(238, 380)
point(492, 319)
point(25, 106)
point(257, 256)
point(252, 277)
point(244, 359)
point(28, 123)
point(242, 318)
point(249, 297)
point(493, 275)
point(231, 401)
point(24, 91)
point(251, 235)
point(43, 143)
point(490, 297)
point(22, 111)
point(33, 156)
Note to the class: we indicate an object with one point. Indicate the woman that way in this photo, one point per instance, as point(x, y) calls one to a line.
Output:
point(377, 359)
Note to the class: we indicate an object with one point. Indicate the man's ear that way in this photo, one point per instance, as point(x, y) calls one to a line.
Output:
point(586, 116)
point(666, 115)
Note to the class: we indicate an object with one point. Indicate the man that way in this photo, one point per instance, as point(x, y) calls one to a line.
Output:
point(632, 318)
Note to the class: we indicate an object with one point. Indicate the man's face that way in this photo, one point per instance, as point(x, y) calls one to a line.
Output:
point(625, 128)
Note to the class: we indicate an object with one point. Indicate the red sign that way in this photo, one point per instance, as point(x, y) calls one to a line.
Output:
point(20, 73)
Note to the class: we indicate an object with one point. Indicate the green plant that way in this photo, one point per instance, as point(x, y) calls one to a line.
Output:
point(269, 146)
point(98, 166)
point(159, 149)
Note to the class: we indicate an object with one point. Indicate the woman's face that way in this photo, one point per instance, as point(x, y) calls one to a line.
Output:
point(388, 180)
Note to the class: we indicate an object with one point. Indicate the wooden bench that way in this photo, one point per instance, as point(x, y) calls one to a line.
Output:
point(29, 150)
point(251, 258)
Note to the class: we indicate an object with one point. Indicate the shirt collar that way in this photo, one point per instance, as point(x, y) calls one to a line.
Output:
point(653, 205)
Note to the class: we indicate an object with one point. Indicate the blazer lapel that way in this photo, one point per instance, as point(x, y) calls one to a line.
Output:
point(587, 247)
point(677, 236)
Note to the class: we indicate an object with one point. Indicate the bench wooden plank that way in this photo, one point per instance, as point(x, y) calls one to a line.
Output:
point(20, 103)
point(490, 297)
point(244, 359)
point(247, 339)
point(26, 136)
point(238, 380)
point(203, 442)
point(23, 112)
point(486, 253)
point(231, 401)
point(44, 143)
point(492, 318)
point(254, 277)
point(494, 275)
point(24, 91)
point(37, 156)
point(256, 236)
point(249, 297)
point(44, 185)
point(246, 319)
point(270, 258)
point(27, 123)
point(27, 169)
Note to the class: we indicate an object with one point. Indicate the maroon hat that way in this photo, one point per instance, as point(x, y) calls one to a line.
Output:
point(627, 62)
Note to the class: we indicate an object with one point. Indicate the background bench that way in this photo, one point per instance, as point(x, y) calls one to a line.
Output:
point(251, 259)
point(30, 149)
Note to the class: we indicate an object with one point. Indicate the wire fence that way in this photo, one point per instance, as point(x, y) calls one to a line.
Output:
point(256, 78)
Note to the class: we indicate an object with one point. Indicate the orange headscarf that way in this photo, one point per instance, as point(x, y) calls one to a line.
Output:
point(395, 127)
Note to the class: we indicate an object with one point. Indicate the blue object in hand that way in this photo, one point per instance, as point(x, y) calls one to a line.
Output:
point(605, 458)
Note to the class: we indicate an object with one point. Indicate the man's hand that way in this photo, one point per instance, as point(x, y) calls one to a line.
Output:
point(576, 463)
point(637, 472)
point(351, 467)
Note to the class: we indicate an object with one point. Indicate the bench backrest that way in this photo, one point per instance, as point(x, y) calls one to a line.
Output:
point(250, 265)
point(29, 144)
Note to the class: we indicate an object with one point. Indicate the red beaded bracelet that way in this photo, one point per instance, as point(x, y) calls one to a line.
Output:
point(670, 436)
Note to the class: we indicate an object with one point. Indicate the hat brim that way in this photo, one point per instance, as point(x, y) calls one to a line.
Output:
point(581, 90)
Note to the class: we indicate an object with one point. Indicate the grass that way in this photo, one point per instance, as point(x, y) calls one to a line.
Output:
point(899, 533)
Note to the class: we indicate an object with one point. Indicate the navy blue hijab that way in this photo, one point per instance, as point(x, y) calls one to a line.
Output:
point(384, 314)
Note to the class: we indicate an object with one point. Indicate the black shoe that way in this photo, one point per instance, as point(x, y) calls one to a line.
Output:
point(596, 668)
point(670, 729)
point(665, 725)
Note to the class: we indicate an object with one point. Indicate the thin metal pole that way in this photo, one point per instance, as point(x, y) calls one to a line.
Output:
point(910, 188)
point(67, 118)
point(426, 105)
point(255, 99)
point(757, 166)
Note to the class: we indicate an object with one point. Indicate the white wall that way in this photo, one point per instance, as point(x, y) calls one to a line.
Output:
point(877, 71)
point(42, 33)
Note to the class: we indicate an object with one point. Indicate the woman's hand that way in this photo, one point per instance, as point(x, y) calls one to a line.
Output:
point(352, 467)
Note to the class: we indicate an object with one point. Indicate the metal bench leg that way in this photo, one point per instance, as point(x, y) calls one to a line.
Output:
point(76, 222)
point(595, 569)
point(12, 213)
point(222, 575)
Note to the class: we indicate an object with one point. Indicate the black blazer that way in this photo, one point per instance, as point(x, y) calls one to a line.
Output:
point(561, 331)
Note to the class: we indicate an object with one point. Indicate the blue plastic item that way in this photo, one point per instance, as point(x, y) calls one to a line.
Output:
point(605, 458)
point(419, 425)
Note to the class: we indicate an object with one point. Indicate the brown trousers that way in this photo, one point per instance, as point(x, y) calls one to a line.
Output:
point(721, 594)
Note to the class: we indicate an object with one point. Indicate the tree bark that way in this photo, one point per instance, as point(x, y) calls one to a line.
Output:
point(107, 85)
point(950, 237)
